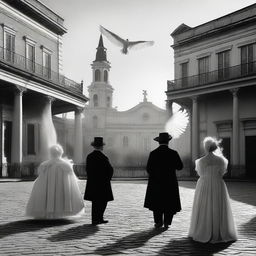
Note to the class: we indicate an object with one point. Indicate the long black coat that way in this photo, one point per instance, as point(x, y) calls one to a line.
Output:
point(99, 174)
point(163, 190)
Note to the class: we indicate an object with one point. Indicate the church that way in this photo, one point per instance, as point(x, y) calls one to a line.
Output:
point(128, 134)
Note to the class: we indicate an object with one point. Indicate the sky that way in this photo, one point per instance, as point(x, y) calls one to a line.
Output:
point(144, 69)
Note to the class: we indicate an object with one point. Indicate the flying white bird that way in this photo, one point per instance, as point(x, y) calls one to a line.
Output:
point(178, 122)
point(125, 44)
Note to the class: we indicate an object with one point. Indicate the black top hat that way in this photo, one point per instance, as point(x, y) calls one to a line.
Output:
point(163, 137)
point(98, 142)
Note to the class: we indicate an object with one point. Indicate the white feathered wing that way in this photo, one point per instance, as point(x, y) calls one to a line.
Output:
point(178, 122)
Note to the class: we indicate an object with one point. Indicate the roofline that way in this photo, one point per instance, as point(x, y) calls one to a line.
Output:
point(212, 30)
point(31, 10)
point(203, 24)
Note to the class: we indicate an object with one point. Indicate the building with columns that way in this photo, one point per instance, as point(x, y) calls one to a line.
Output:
point(32, 86)
point(128, 134)
point(215, 79)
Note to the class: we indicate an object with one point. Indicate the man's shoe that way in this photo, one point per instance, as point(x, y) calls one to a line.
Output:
point(158, 225)
point(103, 221)
point(166, 226)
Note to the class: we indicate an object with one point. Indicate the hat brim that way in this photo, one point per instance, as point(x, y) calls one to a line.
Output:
point(157, 139)
point(97, 145)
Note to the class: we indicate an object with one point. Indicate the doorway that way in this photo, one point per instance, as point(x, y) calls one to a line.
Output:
point(7, 148)
point(250, 156)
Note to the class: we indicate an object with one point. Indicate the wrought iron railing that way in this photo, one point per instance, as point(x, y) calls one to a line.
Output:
point(216, 76)
point(21, 62)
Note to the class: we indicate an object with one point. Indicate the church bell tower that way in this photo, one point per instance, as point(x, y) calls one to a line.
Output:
point(100, 91)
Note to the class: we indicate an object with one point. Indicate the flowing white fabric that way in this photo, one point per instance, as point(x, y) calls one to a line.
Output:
point(212, 220)
point(55, 193)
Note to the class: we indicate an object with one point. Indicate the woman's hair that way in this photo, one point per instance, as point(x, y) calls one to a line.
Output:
point(211, 144)
point(56, 151)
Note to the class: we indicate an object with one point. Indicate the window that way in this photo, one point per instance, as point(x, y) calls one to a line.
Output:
point(30, 51)
point(203, 70)
point(125, 142)
point(31, 139)
point(248, 57)
point(184, 74)
point(105, 76)
point(30, 57)
point(9, 45)
point(223, 65)
point(46, 64)
point(108, 102)
point(95, 122)
point(95, 100)
point(97, 75)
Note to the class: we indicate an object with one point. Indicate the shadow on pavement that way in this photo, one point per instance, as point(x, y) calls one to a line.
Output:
point(189, 247)
point(249, 228)
point(79, 232)
point(23, 226)
point(241, 191)
point(132, 241)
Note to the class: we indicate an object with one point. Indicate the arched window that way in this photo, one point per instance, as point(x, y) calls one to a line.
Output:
point(105, 75)
point(95, 122)
point(125, 142)
point(95, 100)
point(108, 102)
point(97, 75)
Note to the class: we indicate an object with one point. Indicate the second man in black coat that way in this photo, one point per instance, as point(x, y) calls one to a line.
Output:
point(162, 195)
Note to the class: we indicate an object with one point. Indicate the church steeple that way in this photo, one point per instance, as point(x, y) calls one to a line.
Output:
point(100, 90)
point(101, 54)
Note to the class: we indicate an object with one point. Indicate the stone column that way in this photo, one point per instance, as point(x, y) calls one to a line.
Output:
point(195, 130)
point(78, 146)
point(169, 107)
point(235, 132)
point(16, 150)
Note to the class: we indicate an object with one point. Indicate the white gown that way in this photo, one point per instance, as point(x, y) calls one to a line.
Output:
point(55, 193)
point(212, 220)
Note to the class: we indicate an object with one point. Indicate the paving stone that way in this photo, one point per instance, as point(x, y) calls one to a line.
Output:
point(130, 228)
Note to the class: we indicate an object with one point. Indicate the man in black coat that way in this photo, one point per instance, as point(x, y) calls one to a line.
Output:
point(98, 187)
point(162, 195)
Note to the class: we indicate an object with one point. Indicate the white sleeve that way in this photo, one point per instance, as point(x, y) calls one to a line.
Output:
point(224, 165)
point(197, 167)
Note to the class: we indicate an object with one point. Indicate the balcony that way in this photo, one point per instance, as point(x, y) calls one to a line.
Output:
point(12, 59)
point(222, 75)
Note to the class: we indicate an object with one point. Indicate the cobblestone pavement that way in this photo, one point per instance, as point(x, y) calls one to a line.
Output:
point(129, 230)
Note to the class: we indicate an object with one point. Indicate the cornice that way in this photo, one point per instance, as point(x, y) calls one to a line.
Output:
point(45, 88)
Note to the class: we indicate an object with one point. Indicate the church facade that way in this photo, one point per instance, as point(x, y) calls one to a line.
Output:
point(215, 79)
point(128, 134)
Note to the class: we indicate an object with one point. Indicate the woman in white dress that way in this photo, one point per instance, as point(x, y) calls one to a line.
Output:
point(55, 193)
point(212, 220)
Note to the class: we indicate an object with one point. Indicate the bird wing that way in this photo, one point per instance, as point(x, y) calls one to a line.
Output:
point(136, 45)
point(178, 122)
point(115, 39)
